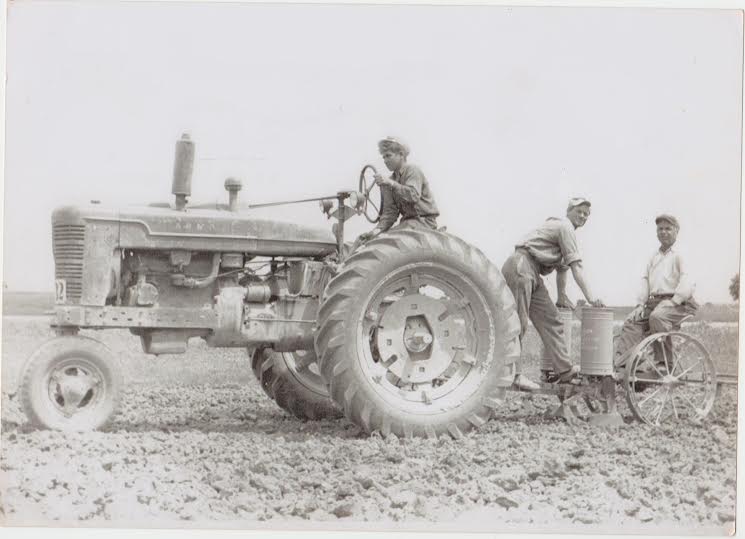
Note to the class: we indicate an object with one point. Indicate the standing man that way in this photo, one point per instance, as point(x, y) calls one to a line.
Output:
point(551, 246)
point(406, 193)
point(665, 296)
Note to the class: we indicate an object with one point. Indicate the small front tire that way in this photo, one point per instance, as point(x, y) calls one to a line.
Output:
point(71, 383)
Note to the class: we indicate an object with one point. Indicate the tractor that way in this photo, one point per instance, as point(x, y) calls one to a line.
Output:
point(413, 334)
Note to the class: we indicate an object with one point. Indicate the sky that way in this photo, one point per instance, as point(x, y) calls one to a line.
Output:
point(508, 111)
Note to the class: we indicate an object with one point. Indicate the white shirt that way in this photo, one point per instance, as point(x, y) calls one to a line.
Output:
point(665, 274)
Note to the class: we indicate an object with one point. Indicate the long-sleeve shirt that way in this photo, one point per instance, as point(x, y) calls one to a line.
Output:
point(553, 245)
point(410, 196)
point(665, 274)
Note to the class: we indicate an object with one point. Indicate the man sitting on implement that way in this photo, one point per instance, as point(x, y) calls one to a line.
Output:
point(406, 193)
point(665, 296)
point(551, 246)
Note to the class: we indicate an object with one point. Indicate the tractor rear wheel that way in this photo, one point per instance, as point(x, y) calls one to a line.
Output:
point(415, 335)
point(70, 383)
point(292, 380)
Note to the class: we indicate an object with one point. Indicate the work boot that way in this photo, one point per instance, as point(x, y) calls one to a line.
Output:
point(524, 383)
point(567, 377)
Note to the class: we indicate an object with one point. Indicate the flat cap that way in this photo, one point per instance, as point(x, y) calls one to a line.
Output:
point(667, 217)
point(577, 201)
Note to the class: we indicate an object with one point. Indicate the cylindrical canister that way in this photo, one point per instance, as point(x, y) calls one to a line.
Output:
point(596, 349)
point(183, 166)
point(566, 316)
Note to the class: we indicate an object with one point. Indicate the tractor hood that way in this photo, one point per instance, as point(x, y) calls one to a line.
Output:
point(197, 229)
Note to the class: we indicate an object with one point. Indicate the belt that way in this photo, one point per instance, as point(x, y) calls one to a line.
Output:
point(663, 296)
point(420, 216)
point(533, 262)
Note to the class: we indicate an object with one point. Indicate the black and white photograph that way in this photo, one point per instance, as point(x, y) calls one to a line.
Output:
point(378, 267)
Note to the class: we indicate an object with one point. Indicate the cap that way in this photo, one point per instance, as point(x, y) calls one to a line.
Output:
point(667, 217)
point(577, 201)
point(393, 143)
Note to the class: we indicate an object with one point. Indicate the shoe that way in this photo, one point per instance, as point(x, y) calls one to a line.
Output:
point(566, 377)
point(524, 383)
point(547, 376)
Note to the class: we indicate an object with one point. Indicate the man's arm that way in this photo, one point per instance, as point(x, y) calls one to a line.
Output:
point(410, 188)
point(561, 288)
point(579, 277)
point(644, 287)
point(643, 294)
point(684, 290)
point(389, 212)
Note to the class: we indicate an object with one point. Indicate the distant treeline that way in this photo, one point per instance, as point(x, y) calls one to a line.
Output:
point(39, 303)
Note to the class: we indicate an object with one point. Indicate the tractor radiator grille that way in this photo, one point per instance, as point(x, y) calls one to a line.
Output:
point(68, 246)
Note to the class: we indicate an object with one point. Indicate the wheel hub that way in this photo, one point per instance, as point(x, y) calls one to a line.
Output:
point(417, 342)
point(71, 389)
point(418, 339)
point(417, 335)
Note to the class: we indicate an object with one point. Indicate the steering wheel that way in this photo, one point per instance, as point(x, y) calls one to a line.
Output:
point(367, 195)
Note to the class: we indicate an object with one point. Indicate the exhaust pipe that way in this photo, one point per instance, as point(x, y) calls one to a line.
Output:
point(183, 166)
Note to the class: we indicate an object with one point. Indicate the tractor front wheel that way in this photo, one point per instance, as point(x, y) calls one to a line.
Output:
point(70, 383)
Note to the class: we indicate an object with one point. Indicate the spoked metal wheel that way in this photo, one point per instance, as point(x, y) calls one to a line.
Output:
point(670, 377)
point(71, 383)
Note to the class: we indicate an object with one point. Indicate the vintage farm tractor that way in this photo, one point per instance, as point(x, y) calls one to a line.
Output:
point(411, 334)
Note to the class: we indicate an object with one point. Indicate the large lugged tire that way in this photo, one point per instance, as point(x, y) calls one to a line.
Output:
point(415, 334)
point(70, 383)
point(292, 380)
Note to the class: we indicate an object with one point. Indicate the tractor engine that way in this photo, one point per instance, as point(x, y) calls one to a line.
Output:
point(249, 301)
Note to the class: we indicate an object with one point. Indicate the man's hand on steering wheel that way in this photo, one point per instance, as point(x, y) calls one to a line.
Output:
point(380, 180)
point(367, 236)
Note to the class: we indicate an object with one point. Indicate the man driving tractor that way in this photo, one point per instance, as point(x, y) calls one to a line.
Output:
point(406, 193)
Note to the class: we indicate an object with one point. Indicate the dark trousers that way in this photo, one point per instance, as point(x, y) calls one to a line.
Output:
point(534, 304)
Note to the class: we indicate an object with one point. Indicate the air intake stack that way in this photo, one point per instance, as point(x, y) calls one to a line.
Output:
point(232, 186)
point(183, 166)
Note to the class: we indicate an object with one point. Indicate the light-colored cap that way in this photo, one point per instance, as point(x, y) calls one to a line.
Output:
point(577, 201)
point(667, 217)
